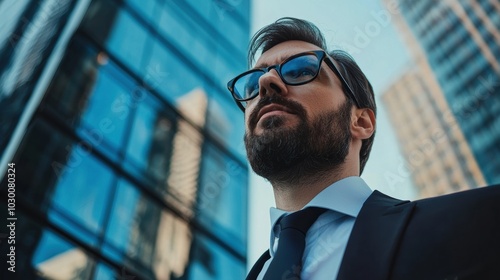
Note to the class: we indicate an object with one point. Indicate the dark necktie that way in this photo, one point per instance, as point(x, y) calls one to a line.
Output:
point(287, 262)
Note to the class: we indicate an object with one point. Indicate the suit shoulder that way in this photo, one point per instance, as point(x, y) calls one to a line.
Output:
point(481, 194)
point(453, 236)
point(476, 206)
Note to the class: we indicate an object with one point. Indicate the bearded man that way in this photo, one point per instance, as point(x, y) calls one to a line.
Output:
point(310, 125)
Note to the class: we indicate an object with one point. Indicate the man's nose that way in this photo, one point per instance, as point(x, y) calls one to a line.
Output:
point(271, 83)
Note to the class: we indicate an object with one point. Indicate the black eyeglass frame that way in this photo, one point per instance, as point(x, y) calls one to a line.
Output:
point(320, 54)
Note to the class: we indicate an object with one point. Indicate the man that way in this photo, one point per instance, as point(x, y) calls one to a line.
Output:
point(310, 125)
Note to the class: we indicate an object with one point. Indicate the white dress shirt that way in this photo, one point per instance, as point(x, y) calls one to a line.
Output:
point(327, 238)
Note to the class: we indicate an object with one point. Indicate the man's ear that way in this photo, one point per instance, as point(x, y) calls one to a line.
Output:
point(362, 123)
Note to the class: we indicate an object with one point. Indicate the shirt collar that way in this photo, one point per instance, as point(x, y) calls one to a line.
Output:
point(345, 196)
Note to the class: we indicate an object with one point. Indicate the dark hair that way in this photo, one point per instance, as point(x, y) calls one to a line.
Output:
point(288, 29)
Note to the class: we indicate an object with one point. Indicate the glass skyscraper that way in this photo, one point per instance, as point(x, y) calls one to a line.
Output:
point(127, 146)
point(436, 152)
point(461, 40)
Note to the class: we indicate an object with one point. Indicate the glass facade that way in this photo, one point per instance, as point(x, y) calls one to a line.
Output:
point(462, 42)
point(131, 164)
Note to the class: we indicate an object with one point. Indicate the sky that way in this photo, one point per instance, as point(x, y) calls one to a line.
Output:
point(364, 29)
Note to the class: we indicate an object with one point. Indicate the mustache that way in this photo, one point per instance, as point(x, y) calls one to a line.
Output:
point(291, 105)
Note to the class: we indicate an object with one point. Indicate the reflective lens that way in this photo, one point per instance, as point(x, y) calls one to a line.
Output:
point(247, 86)
point(300, 70)
point(297, 70)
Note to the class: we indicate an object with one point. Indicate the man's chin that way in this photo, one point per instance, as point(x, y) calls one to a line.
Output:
point(274, 124)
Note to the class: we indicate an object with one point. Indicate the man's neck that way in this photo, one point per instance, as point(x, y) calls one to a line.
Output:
point(293, 196)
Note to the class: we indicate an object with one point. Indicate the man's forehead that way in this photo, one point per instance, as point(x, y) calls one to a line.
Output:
point(266, 61)
point(282, 51)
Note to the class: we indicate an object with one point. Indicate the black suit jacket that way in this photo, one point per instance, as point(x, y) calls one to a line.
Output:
point(452, 237)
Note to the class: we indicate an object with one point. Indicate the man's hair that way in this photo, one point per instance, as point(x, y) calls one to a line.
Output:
point(288, 29)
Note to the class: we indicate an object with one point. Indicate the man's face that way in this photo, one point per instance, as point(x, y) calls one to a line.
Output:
point(295, 130)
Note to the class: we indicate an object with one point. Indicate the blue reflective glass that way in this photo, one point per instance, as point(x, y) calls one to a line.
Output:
point(60, 184)
point(229, 18)
point(224, 121)
point(222, 68)
point(81, 194)
point(183, 32)
point(122, 219)
point(128, 40)
point(147, 9)
point(158, 242)
point(91, 95)
point(210, 261)
point(106, 112)
point(56, 258)
point(223, 186)
point(169, 74)
point(141, 136)
point(104, 272)
point(150, 141)
point(203, 45)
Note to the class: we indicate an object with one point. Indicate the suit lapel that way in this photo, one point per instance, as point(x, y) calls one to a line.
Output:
point(375, 237)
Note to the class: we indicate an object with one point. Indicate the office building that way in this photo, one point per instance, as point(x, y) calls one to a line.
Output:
point(436, 154)
point(461, 43)
point(127, 145)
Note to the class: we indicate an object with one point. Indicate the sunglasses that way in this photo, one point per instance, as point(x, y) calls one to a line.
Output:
point(297, 70)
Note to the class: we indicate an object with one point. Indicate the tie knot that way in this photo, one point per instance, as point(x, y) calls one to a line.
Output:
point(301, 220)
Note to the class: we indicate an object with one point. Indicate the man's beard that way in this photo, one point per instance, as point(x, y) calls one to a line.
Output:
point(287, 154)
